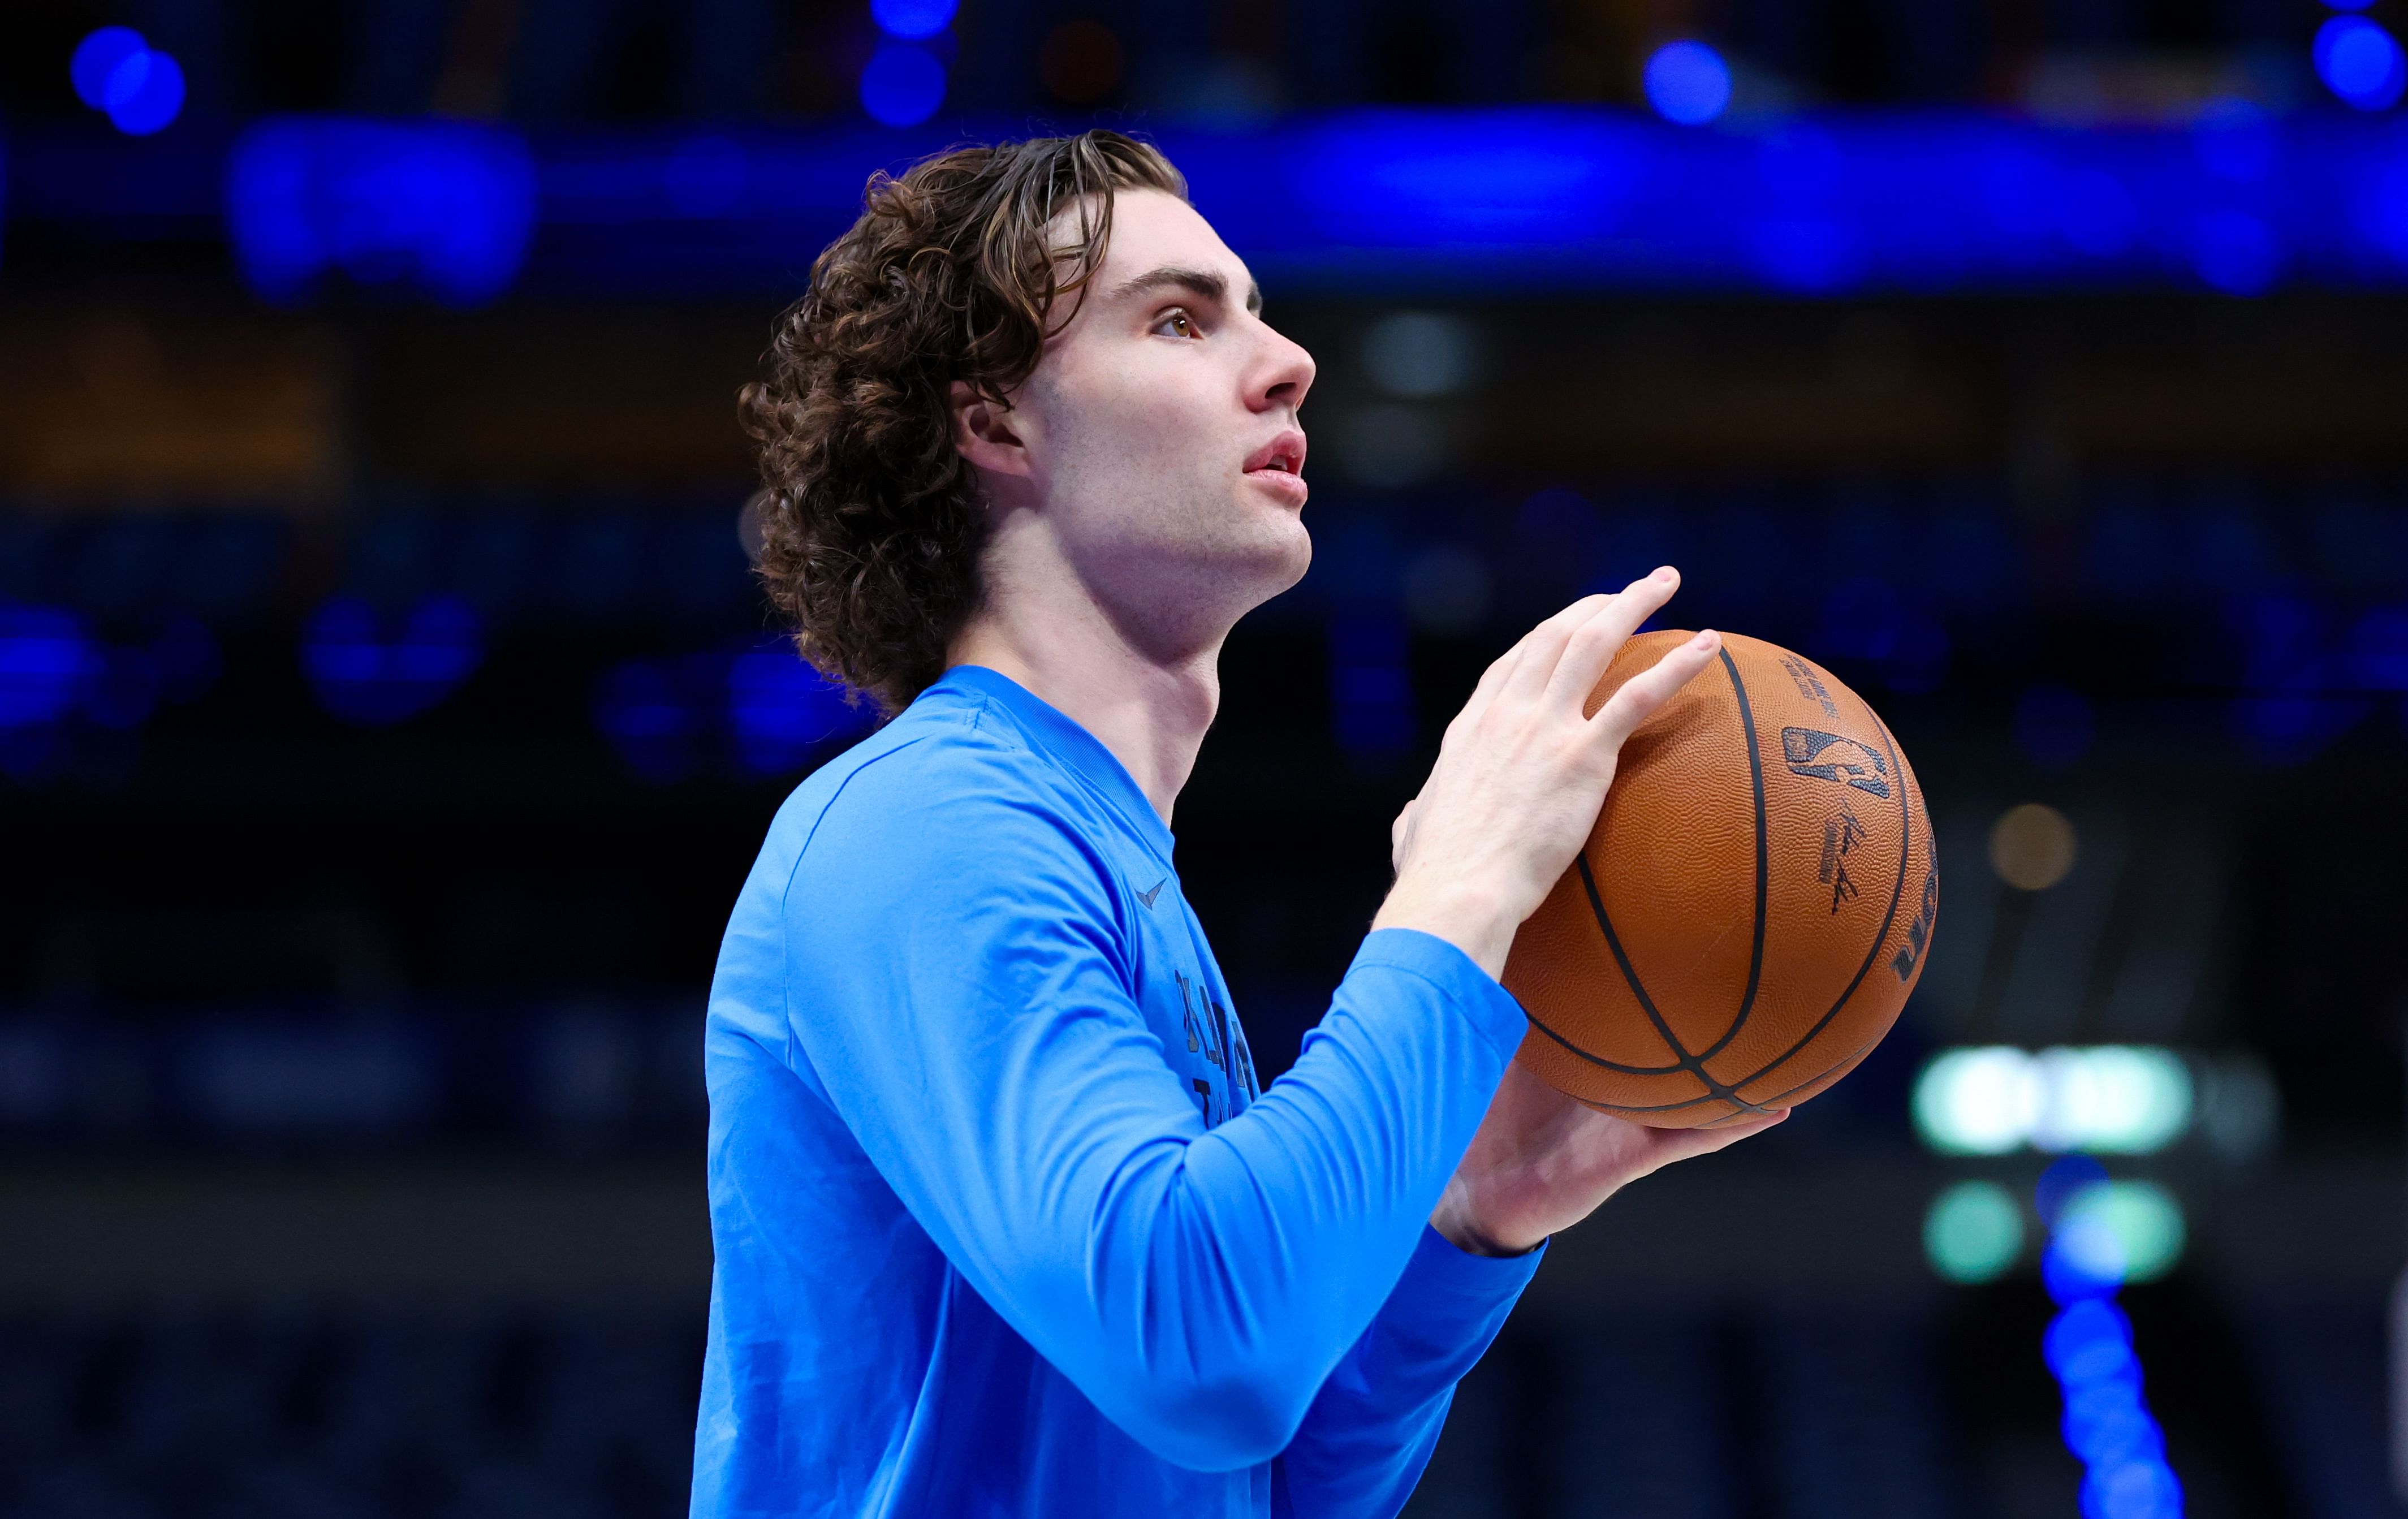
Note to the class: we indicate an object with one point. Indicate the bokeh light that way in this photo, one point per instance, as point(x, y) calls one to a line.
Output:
point(758, 710)
point(2106, 1424)
point(902, 84)
point(146, 93)
point(912, 20)
point(2127, 1231)
point(448, 207)
point(2032, 847)
point(1421, 355)
point(97, 59)
point(2106, 1099)
point(650, 714)
point(140, 89)
point(1687, 82)
point(45, 654)
point(2235, 253)
point(2360, 62)
point(781, 710)
point(1973, 1232)
point(364, 673)
point(2065, 1176)
point(2103, 1234)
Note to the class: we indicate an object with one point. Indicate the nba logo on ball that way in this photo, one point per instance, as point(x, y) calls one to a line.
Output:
point(1752, 909)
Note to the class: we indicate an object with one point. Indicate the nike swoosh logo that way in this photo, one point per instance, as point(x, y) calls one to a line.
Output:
point(1148, 896)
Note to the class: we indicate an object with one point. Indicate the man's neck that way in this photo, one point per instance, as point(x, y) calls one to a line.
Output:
point(1151, 712)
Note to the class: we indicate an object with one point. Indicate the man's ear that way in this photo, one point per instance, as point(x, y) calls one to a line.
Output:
point(982, 431)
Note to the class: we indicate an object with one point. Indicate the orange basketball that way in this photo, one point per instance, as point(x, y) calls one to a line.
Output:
point(1751, 911)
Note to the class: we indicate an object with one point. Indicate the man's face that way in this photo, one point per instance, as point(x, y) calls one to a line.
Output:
point(1161, 444)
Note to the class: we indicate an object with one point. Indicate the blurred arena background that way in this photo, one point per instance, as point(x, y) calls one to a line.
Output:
point(387, 717)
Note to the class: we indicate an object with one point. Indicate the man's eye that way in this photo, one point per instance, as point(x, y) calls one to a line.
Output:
point(1178, 323)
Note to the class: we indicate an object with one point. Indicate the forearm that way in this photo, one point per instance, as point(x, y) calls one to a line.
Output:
point(1370, 1431)
point(1225, 1278)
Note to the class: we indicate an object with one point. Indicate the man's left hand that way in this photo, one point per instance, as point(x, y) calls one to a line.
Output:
point(1542, 1162)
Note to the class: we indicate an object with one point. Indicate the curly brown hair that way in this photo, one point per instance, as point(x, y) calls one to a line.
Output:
point(871, 522)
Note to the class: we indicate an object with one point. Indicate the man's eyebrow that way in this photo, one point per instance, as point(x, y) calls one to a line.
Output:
point(1204, 283)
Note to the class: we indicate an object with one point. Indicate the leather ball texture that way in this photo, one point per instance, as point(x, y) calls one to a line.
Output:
point(1752, 909)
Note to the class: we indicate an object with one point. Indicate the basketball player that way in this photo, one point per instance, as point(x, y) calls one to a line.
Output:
point(1004, 1224)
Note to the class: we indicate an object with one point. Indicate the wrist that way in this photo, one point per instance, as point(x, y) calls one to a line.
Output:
point(1458, 1223)
point(1464, 916)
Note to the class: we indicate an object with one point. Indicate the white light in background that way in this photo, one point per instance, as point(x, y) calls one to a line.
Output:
point(1977, 1102)
point(2107, 1099)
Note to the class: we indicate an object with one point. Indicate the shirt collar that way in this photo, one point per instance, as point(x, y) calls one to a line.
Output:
point(1067, 745)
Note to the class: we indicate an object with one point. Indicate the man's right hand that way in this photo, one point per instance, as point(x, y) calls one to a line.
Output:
point(1521, 773)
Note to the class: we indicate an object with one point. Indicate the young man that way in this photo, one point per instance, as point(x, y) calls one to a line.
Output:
point(1004, 1224)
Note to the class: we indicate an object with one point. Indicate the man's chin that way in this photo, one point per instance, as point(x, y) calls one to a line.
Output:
point(1276, 561)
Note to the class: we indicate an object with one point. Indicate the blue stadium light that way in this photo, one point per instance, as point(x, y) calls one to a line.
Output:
point(2379, 648)
point(782, 710)
point(2360, 62)
point(146, 93)
point(97, 59)
point(761, 709)
point(46, 655)
point(1403, 205)
point(137, 87)
point(647, 708)
point(1688, 83)
point(446, 207)
point(2098, 1230)
point(902, 84)
point(911, 19)
point(363, 675)
point(2235, 253)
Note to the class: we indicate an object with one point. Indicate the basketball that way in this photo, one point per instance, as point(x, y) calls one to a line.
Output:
point(1751, 909)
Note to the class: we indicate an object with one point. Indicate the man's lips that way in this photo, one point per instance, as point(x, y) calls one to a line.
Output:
point(1284, 455)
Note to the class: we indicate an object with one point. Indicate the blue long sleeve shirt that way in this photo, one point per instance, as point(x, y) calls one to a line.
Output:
point(1003, 1226)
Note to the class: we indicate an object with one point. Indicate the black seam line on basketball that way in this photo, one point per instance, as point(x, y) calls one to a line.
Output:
point(1598, 1059)
point(1855, 1055)
point(1905, 859)
point(1688, 1062)
point(1763, 865)
point(1738, 1105)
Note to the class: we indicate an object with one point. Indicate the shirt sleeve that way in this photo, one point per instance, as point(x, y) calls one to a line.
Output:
point(1370, 1430)
point(959, 984)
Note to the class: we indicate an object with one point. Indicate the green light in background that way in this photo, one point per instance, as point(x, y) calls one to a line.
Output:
point(2131, 1231)
point(1973, 1232)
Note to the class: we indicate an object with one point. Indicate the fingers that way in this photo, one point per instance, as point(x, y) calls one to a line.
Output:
point(1688, 1143)
point(1600, 637)
point(1651, 688)
point(1536, 656)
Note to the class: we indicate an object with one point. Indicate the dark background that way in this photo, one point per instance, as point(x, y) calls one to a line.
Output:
point(388, 718)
